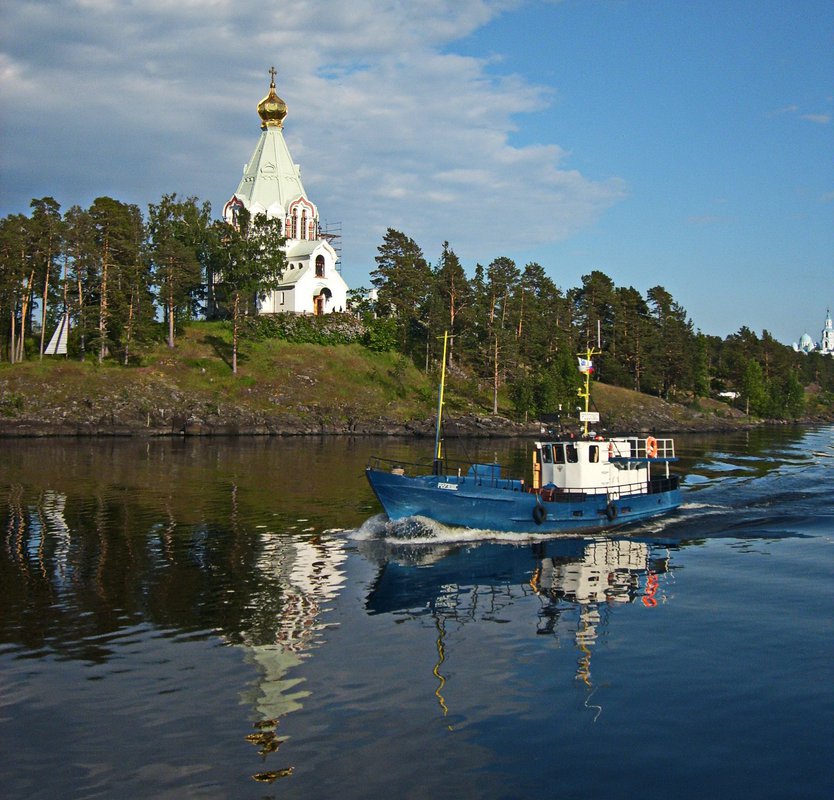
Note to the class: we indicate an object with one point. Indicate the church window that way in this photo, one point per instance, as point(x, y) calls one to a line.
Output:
point(303, 232)
point(319, 266)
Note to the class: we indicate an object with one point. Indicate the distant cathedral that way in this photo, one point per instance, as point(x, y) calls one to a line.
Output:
point(271, 184)
point(826, 345)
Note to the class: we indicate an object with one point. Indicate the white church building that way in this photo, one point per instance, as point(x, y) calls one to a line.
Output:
point(826, 345)
point(271, 184)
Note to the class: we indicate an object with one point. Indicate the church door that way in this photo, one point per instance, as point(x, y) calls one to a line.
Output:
point(318, 305)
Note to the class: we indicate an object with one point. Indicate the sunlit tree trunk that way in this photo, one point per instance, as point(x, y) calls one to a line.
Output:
point(235, 312)
point(43, 306)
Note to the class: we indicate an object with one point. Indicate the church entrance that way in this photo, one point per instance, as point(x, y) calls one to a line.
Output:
point(320, 301)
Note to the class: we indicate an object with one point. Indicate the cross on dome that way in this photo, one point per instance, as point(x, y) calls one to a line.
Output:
point(272, 109)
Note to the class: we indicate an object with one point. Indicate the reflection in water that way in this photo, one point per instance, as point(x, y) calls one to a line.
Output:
point(607, 574)
point(77, 573)
point(147, 587)
point(578, 581)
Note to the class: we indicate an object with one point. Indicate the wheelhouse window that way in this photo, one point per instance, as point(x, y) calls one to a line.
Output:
point(559, 453)
point(593, 454)
point(572, 454)
point(547, 454)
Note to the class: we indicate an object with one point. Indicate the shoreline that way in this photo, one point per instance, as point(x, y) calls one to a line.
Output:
point(460, 427)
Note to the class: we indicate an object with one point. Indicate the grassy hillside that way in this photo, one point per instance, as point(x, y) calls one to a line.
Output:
point(280, 387)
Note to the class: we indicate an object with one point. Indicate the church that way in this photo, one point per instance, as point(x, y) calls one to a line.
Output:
point(826, 345)
point(271, 184)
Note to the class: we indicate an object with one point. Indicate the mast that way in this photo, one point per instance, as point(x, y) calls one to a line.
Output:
point(438, 445)
point(586, 367)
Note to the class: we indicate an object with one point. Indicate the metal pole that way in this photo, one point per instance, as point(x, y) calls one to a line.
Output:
point(438, 455)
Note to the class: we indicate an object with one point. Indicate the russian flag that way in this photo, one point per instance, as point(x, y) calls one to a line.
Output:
point(586, 366)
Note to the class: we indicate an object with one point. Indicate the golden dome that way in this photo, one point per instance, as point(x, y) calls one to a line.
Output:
point(272, 109)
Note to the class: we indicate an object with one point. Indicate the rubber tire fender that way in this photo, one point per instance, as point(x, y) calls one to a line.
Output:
point(539, 514)
point(611, 511)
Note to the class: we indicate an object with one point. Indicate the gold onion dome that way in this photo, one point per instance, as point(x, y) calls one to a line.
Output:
point(272, 109)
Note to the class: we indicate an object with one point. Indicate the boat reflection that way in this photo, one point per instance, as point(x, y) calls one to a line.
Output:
point(577, 581)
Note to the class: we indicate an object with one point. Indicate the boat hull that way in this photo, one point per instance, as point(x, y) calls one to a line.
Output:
point(505, 506)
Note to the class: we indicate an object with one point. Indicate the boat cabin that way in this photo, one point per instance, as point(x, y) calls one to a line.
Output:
point(616, 467)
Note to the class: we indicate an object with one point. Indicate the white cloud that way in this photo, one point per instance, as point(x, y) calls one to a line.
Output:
point(391, 127)
point(820, 119)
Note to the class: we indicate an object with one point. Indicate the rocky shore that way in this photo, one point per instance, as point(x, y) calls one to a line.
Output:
point(310, 391)
point(107, 417)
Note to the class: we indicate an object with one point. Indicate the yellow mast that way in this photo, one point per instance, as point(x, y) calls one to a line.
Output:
point(586, 393)
point(438, 444)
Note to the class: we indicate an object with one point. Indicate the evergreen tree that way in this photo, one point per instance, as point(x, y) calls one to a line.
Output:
point(672, 352)
point(754, 389)
point(594, 303)
point(453, 296)
point(403, 279)
point(118, 233)
point(178, 231)
point(80, 252)
point(15, 283)
point(45, 244)
point(631, 339)
point(252, 263)
point(502, 283)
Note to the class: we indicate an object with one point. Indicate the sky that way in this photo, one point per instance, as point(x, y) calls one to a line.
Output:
point(681, 143)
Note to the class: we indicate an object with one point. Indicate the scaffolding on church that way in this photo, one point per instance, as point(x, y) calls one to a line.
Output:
point(331, 232)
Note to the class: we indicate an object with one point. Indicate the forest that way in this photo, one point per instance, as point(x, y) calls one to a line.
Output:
point(130, 280)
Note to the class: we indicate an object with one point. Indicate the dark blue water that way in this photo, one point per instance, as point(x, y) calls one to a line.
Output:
point(234, 619)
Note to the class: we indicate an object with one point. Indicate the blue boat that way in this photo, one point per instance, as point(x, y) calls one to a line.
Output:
point(580, 483)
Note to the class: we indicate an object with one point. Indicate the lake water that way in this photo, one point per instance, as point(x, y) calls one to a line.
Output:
point(233, 618)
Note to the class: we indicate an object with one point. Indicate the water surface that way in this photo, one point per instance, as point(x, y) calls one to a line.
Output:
point(234, 618)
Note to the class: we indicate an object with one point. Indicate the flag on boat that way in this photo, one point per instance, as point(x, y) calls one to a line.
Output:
point(586, 365)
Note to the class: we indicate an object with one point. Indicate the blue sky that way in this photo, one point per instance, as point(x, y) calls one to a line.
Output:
point(686, 144)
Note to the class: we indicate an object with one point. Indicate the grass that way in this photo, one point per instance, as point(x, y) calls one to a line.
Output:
point(308, 381)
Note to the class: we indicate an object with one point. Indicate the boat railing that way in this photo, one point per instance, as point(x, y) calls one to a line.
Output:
point(555, 494)
point(398, 465)
point(460, 472)
point(643, 449)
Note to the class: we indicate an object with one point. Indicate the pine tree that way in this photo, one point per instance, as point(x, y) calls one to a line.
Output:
point(403, 280)
point(253, 261)
point(178, 230)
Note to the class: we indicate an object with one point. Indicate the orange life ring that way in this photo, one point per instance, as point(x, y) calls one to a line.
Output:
point(610, 450)
point(651, 447)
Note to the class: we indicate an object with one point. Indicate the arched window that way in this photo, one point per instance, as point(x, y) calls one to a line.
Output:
point(319, 266)
point(303, 232)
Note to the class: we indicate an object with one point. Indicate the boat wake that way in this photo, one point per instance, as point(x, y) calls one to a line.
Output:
point(422, 530)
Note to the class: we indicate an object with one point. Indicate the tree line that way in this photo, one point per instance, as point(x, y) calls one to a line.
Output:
point(117, 273)
point(126, 280)
point(515, 328)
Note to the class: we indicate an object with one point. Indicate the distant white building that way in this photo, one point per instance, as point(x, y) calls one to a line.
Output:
point(271, 184)
point(826, 345)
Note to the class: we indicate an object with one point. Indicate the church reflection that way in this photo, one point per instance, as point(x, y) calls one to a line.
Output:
point(76, 573)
